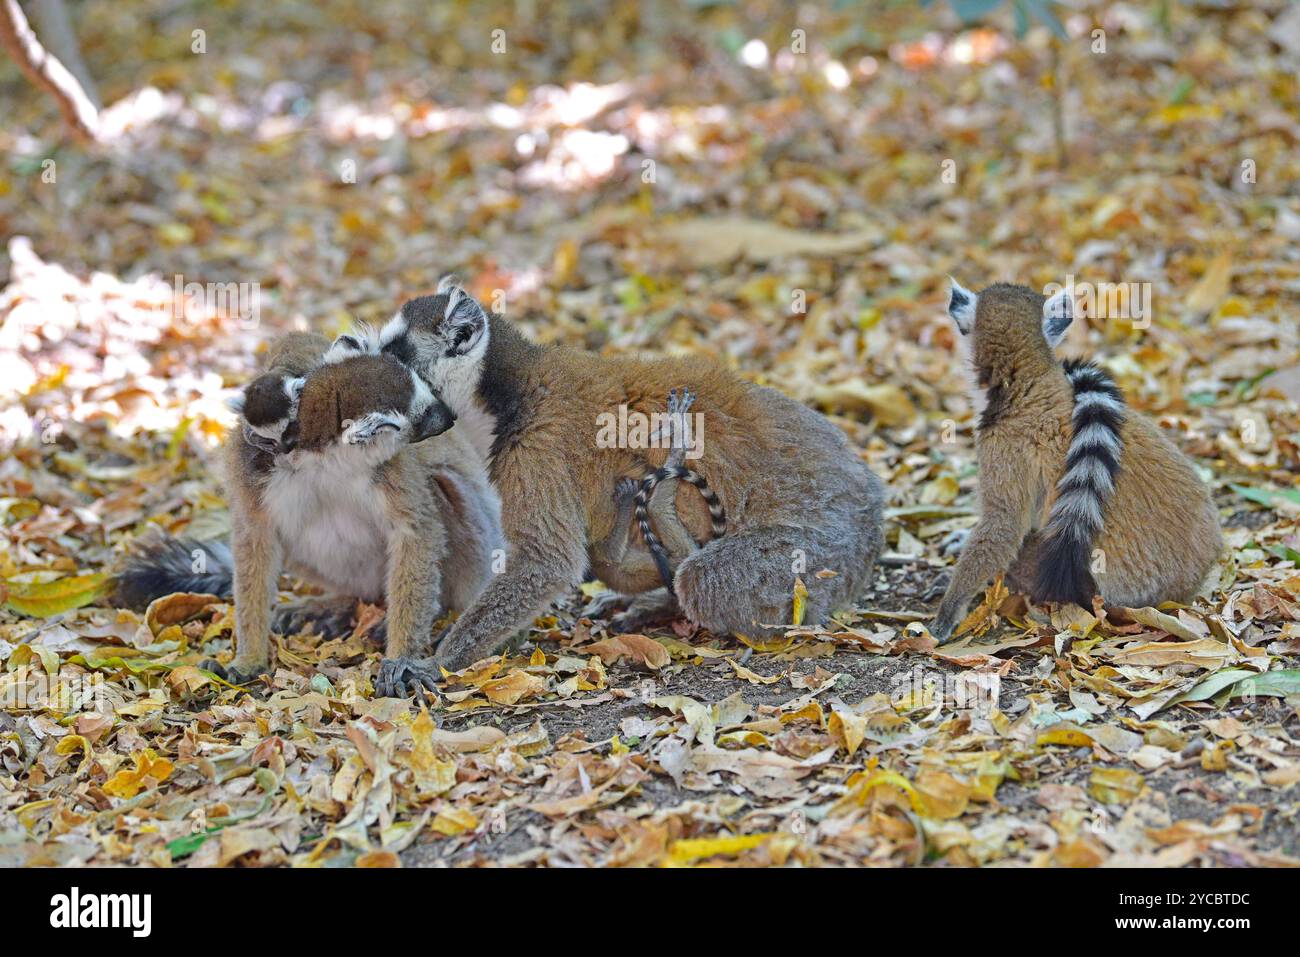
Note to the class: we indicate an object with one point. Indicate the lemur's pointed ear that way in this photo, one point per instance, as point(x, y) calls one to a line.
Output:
point(464, 319)
point(293, 388)
point(961, 306)
point(236, 403)
point(1058, 313)
point(346, 346)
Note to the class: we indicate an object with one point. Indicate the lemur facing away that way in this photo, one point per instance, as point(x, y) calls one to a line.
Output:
point(798, 499)
point(355, 507)
point(1078, 495)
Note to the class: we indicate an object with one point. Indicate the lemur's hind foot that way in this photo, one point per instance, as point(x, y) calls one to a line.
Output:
point(406, 676)
point(600, 607)
point(233, 673)
point(647, 610)
point(331, 617)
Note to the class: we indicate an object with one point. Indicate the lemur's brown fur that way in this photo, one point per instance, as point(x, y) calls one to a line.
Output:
point(1160, 533)
point(797, 498)
point(341, 393)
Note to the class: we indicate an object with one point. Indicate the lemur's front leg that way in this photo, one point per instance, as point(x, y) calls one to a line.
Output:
point(548, 555)
point(416, 555)
point(258, 559)
point(612, 549)
point(988, 551)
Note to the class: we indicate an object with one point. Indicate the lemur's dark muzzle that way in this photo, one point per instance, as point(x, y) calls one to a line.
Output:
point(437, 419)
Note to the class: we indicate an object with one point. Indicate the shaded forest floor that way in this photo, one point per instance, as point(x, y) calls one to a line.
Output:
point(669, 186)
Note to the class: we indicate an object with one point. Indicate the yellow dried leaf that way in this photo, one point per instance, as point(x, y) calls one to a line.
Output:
point(690, 850)
point(638, 648)
point(454, 821)
point(378, 859)
point(1069, 736)
point(800, 602)
point(433, 776)
point(768, 645)
point(74, 742)
point(176, 609)
point(742, 739)
point(863, 783)
point(888, 404)
point(1115, 785)
point(513, 688)
point(1213, 286)
point(751, 676)
point(946, 795)
point(984, 617)
point(848, 729)
point(149, 770)
point(812, 711)
point(46, 599)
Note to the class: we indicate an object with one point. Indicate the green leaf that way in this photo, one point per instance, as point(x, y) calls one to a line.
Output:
point(1272, 684)
point(110, 662)
point(1267, 496)
point(1242, 683)
point(187, 845)
point(1182, 91)
point(1286, 553)
point(1214, 684)
point(1245, 386)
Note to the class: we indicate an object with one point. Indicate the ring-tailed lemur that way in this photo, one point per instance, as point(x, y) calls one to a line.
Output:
point(798, 498)
point(359, 504)
point(1078, 495)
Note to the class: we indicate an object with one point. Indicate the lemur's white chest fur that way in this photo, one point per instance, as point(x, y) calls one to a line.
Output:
point(978, 397)
point(330, 520)
point(480, 428)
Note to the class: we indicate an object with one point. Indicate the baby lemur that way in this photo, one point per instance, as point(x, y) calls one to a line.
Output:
point(336, 482)
point(798, 499)
point(1078, 494)
point(653, 503)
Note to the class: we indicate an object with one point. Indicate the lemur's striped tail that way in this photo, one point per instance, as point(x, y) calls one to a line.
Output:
point(716, 512)
point(176, 565)
point(1065, 556)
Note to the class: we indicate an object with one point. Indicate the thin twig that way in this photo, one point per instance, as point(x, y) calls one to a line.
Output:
point(46, 72)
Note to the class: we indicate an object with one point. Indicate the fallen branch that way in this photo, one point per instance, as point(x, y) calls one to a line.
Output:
point(46, 72)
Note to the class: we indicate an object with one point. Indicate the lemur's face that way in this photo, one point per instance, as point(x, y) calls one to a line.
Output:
point(442, 337)
point(269, 409)
point(368, 401)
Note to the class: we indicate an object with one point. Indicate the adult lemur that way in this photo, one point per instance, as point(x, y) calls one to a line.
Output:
point(798, 500)
point(1078, 494)
point(329, 474)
